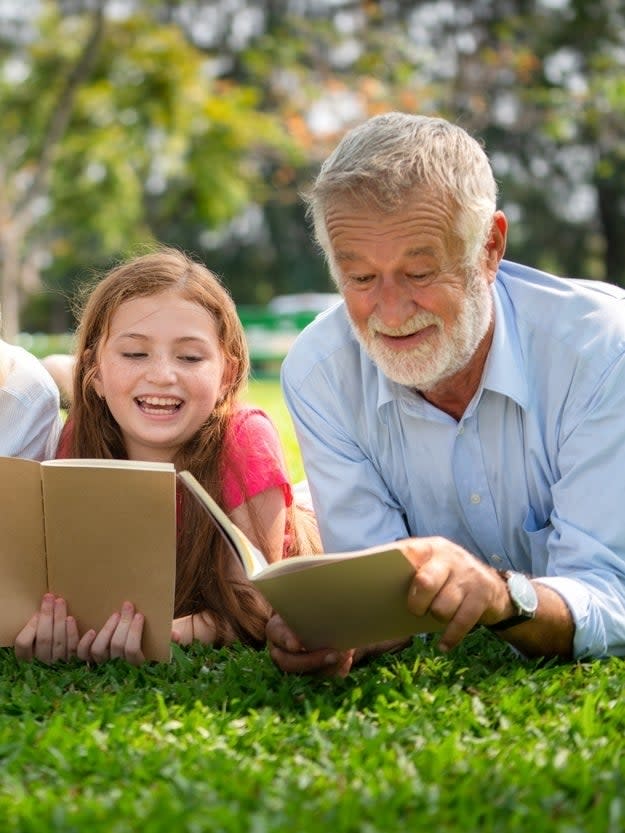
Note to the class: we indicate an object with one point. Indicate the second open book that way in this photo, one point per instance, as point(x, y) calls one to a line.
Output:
point(342, 600)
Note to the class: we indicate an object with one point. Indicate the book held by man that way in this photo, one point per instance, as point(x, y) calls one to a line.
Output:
point(341, 600)
point(96, 532)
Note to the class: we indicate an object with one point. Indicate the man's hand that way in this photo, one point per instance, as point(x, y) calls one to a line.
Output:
point(455, 588)
point(290, 655)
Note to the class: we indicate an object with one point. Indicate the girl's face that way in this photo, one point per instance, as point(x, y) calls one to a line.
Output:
point(161, 371)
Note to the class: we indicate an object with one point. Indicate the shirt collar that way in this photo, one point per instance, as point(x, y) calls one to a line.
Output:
point(504, 371)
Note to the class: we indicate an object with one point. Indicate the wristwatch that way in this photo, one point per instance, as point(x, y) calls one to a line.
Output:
point(523, 596)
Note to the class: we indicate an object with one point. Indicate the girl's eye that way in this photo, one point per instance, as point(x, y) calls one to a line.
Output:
point(191, 358)
point(134, 355)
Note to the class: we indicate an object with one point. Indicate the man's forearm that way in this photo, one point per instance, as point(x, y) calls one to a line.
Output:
point(550, 633)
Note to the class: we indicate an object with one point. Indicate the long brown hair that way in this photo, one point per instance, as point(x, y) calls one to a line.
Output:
point(203, 578)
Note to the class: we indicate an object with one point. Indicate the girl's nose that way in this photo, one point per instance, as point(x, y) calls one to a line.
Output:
point(161, 371)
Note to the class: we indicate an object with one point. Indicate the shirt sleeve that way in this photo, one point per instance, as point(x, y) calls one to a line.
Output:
point(353, 504)
point(586, 546)
point(29, 429)
point(253, 459)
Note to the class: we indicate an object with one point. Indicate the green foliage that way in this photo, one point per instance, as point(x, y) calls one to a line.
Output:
point(153, 135)
point(476, 740)
point(178, 131)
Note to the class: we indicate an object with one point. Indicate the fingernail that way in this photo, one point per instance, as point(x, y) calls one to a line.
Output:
point(330, 659)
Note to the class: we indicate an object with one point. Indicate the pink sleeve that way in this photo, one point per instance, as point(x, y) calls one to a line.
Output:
point(253, 459)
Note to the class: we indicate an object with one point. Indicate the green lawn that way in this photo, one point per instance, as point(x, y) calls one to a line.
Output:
point(222, 741)
point(476, 740)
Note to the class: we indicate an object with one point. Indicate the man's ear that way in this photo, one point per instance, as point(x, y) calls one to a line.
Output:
point(496, 244)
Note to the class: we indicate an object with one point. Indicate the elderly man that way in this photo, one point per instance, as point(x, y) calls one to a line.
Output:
point(472, 406)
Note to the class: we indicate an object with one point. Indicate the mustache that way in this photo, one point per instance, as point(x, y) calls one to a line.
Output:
point(418, 322)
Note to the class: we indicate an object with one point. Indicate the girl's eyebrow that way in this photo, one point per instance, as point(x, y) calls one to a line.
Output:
point(179, 340)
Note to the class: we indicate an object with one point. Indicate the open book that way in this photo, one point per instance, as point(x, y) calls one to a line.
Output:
point(341, 600)
point(95, 532)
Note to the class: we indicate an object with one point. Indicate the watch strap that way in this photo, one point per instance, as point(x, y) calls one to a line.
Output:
point(510, 622)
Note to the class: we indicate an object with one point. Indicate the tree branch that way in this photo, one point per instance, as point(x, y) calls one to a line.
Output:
point(62, 111)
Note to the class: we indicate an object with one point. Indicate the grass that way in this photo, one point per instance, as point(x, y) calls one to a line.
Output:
point(221, 740)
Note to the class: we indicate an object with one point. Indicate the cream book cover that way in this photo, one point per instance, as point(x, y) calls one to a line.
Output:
point(337, 600)
point(95, 532)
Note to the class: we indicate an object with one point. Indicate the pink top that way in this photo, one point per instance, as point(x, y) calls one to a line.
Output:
point(252, 459)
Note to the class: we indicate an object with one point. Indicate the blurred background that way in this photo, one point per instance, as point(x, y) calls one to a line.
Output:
point(197, 124)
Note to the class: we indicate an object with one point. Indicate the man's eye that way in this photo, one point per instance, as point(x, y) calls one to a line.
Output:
point(421, 277)
point(361, 280)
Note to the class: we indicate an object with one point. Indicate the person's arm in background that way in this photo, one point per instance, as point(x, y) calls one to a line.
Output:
point(30, 422)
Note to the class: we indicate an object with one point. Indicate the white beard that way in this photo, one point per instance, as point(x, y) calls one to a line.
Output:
point(439, 356)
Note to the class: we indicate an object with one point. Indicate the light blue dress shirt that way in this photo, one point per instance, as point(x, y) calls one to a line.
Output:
point(30, 423)
point(532, 478)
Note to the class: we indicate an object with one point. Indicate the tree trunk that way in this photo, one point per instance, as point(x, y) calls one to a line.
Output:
point(612, 215)
point(10, 284)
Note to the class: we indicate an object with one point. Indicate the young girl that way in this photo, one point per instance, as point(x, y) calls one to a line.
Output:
point(161, 361)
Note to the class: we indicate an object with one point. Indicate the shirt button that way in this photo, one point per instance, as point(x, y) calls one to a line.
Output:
point(496, 558)
point(475, 498)
point(460, 430)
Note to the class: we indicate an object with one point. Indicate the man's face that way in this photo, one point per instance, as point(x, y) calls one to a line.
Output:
point(419, 315)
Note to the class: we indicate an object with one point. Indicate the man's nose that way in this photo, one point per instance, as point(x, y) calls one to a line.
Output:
point(394, 304)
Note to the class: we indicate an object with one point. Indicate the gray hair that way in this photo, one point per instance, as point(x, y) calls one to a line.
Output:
point(382, 161)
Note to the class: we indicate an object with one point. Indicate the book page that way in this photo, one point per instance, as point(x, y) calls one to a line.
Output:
point(347, 602)
point(99, 463)
point(251, 558)
point(22, 545)
point(111, 536)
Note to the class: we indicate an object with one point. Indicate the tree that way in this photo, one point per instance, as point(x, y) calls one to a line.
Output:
point(129, 127)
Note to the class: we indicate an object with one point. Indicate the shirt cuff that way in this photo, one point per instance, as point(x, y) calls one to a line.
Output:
point(590, 631)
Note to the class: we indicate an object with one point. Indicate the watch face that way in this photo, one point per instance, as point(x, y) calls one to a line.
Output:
point(522, 592)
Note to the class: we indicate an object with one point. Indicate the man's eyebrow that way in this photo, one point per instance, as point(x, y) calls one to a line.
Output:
point(345, 256)
point(349, 256)
point(419, 250)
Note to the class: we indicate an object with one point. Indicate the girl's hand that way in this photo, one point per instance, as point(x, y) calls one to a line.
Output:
point(119, 638)
point(200, 626)
point(50, 634)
